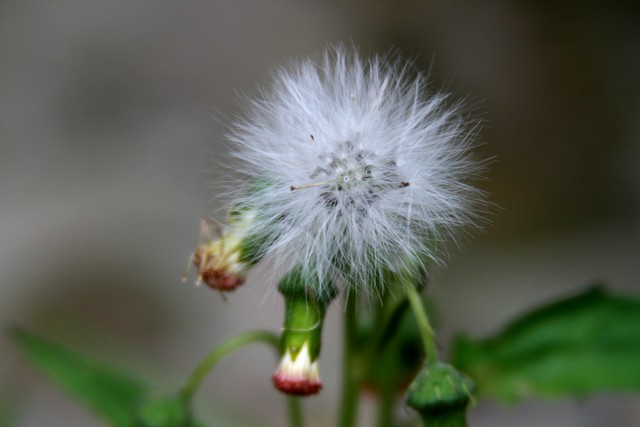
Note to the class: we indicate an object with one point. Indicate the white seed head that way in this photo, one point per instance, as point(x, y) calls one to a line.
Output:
point(367, 172)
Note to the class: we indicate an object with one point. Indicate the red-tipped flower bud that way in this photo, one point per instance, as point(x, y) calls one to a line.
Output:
point(305, 306)
point(297, 374)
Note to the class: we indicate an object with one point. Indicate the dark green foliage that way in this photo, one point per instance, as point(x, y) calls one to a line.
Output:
point(580, 345)
point(118, 398)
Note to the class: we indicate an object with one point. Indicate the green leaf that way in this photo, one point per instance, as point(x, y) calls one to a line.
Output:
point(106, 390)
point(580, 345)
point(165, 411)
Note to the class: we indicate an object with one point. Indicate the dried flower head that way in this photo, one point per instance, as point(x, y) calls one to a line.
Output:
point(363, 171)
point(221, 263)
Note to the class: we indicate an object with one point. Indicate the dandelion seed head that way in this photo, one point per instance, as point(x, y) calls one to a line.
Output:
point(367, 171)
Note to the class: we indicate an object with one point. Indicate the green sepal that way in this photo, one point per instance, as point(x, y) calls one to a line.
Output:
point(441, 395)
point(306, 303)
point(302, 324)
point(253, 245)
point(301, 284)
point(583, 344)
point(257, 186)
point(109, 392)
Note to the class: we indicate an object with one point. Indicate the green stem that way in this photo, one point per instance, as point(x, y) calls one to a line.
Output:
point(386, 397)
point(428, 338)
point(386, 404)
point(350, 384)
point(379, 322)
point(295, 411)
point(220, 351)
point(229, 346)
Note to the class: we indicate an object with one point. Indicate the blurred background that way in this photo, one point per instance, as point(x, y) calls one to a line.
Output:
point(112, 123)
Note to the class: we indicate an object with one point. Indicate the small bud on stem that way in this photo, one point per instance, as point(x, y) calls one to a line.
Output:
point(441, 395)
point(298, 373)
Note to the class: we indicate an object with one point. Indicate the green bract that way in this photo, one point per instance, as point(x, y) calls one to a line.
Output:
point(440, 394)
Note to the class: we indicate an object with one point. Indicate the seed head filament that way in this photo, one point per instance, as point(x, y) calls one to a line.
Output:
point(352, 175)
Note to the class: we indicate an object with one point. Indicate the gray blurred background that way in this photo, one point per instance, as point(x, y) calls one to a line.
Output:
point(112, 119)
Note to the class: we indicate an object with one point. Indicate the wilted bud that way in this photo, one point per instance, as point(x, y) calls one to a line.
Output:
point(305, 307)
point(222, 263)
point(218, 268)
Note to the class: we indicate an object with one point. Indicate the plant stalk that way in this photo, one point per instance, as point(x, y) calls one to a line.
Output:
point(386, 405)
point(428, 338)
point(224, 349)
point(295, 411)
point(350, 382)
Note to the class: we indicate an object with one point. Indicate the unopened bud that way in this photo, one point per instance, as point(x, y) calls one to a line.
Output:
point(441, 395)
point(305, 306)
point(297, 374)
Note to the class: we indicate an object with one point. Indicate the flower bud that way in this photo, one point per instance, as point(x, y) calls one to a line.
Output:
point(305, 307)
point(297, 374)
point(440, 394)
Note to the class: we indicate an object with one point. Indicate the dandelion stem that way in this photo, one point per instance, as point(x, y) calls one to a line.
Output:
point(224, 349)
point(350, 376)
point(420, 313)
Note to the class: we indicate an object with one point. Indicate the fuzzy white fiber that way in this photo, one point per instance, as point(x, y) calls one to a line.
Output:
point(367, 171)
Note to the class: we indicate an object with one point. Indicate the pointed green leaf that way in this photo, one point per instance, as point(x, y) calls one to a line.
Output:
point(165, 411)
point(106, 390)
point(581, 345)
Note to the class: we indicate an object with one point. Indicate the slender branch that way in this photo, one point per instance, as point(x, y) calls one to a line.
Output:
point(220, 351)
point(420, 313)
point(350, 384)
